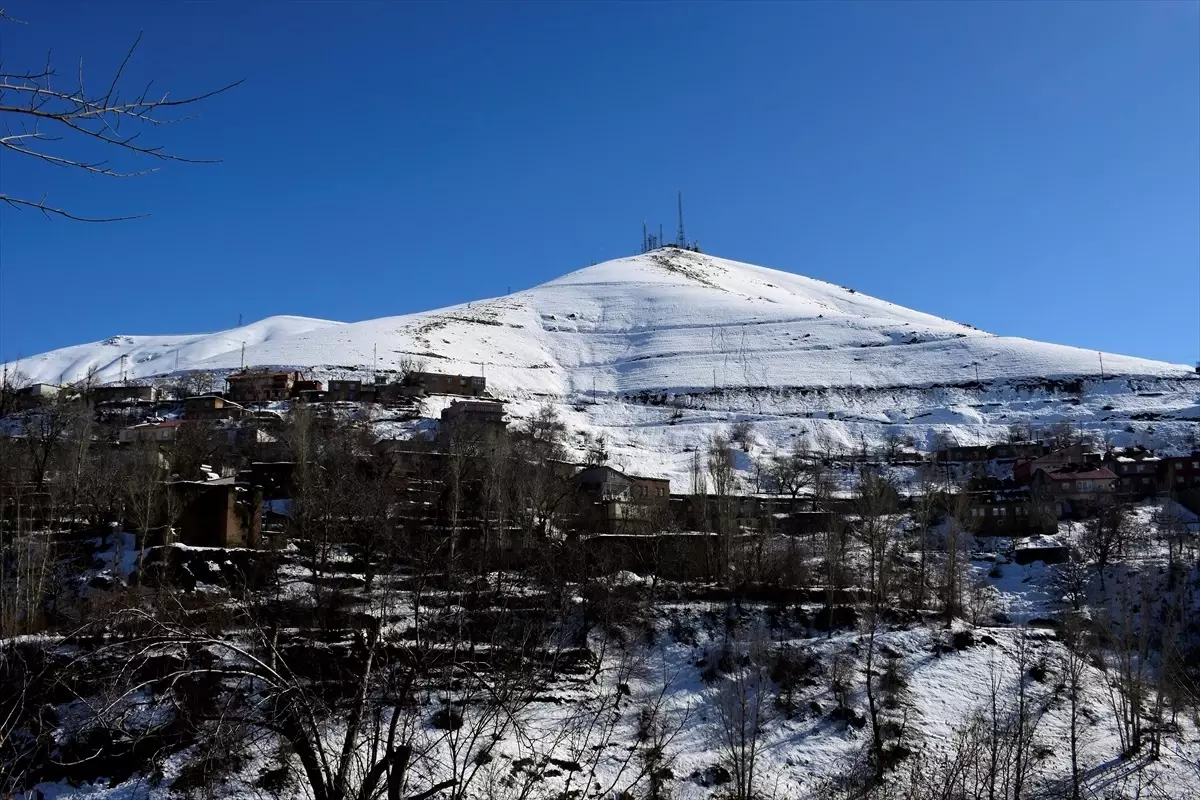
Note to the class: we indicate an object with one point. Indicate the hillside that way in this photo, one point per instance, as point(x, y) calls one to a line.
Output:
point(672, 343)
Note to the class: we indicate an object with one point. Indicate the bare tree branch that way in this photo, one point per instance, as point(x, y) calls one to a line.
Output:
point(19, 203)
point(30, 97)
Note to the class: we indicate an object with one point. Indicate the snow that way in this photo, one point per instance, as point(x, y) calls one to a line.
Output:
point(659, 351)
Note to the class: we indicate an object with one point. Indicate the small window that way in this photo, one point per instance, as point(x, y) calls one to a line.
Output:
point(1196, 465)
point(1179, 479)
point(1001, 512)
point(1066, 485)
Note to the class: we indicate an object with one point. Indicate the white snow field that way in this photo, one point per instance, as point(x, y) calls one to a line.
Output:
point(671, 345)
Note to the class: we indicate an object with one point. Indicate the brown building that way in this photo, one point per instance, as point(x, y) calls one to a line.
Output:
point(610, 500)
point(1179, 473)
point(1016, 450)
point(124, 394)
point(218, 513)
point(1076, 490)
point(437, 383)
point(261, 387)
point(1136, 471)
point(209, 407)
point(950, 455)
point(35, 395)
point(299, 388)
point(484, 413)
point(353, 391)
point(1023, 471)
point(163, 432)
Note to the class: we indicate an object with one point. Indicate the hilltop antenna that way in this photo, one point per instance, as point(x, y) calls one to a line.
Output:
point(645, 242)
point(239, 319)
point(681, 241)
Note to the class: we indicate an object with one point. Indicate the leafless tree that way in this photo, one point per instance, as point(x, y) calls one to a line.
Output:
point(742, 704)
point(11, 382)
point(1105, 536)
point(77, 124)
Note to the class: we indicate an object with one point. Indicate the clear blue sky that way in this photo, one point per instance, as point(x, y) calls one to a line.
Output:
point(1030, 168)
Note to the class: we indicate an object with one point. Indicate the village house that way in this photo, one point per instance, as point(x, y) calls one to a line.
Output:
point(211, 407)
point(610, 500)
point(1136, 471)
point(1005, 510)
point(1023, 471)
point(218, 513)
point(105, 395)
point(35, 394)
point(261, 387)
point(972, 453)
point(484, 415)
point(352, 391)
point(158, 431)
point(1012, 451)
point(437, 383)
point(1179, 473)
point(1076, 490)
point(302, 388)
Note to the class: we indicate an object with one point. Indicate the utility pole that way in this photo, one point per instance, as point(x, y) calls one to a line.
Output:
point(1101, 364)
point(123, 357)
point(243, 354)
point(976, 371)
point(375, 362)
point(176, 360)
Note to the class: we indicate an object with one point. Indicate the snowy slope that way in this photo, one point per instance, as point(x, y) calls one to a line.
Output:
point(717, 338)
point(668, 320)
point(147, 356)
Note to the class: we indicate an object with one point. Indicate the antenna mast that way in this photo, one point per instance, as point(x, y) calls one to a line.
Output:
point(681, 241)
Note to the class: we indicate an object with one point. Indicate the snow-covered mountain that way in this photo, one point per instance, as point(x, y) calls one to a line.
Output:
point(672, 343)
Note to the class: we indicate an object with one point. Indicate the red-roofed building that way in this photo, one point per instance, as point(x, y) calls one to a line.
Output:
point(1077, 489)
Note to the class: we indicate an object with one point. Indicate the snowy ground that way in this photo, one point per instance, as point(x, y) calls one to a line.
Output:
point(805, 745)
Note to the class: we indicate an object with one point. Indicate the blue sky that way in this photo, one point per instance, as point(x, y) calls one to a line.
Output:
point(1032, 169)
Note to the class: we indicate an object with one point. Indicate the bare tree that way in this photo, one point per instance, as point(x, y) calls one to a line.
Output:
point(60, 121)
point(1105, 536)
point(723, 476)
point(742, 710)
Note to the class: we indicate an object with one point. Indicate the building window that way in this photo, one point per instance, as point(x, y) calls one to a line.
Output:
point(1001, 512)
point(1179, 479)
point(1067, 485)
point(1145, 481)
